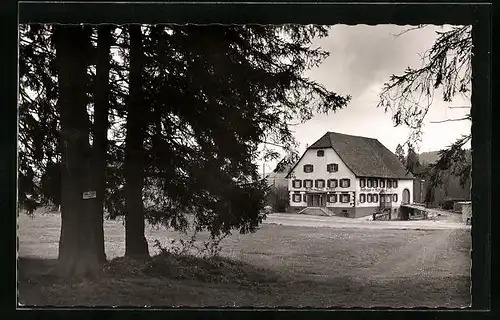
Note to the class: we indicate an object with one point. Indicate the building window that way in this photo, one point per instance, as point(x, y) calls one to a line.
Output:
point(332, 167)
point(332, 198)
point(362, 198)
point(369, 198)
point(369, 183)
point(375, 183)
point(297, 184)
point(362, 183)
point(388, 198)
point(297, 197)
point(333, 183)
point(308, 183)
point(320, 153)
point(308, 168)
point(395, 184)
point(395, 197)
point(345, 183)
point(345, 198)
point(389, 184)
point(382, 183)
point(375, 197)
point(320, 183)
point(305, 198)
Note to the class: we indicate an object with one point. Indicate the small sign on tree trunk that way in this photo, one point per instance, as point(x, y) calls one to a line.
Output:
point(89, 195)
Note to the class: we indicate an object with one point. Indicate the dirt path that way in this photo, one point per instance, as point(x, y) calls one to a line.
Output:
point(415, 259)
point(340, 222)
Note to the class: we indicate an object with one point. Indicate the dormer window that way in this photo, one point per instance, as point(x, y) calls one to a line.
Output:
point(308, 168)
point(332, 167)
point(320, 153)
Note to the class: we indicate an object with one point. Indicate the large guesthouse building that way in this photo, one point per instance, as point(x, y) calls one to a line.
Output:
point(348, 176)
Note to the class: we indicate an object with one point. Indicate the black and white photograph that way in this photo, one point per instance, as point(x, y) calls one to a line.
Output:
point(244, 165)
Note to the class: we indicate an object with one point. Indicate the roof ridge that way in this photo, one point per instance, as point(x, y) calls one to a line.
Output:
point(351, 135)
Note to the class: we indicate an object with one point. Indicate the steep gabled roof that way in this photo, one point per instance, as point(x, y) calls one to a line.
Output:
point(366, 157)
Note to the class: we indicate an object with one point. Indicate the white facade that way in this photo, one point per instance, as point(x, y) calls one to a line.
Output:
point(402, 184)
point(354, 190)
point(320, 172)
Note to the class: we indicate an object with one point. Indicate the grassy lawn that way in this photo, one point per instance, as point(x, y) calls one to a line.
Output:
point(276, 266)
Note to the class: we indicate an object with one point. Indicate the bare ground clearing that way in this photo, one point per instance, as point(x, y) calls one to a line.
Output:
point(317, 267)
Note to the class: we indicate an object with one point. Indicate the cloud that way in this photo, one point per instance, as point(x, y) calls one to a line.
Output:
point(361, 59)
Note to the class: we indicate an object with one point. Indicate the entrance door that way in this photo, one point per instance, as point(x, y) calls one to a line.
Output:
point(310, 199)
point(406, 196)
point(316, 200)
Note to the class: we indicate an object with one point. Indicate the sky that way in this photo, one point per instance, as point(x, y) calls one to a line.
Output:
point(361, 59)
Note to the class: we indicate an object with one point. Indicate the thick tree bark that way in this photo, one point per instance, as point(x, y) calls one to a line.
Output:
point(136, 245)
point(79, 239)
point(101, 124)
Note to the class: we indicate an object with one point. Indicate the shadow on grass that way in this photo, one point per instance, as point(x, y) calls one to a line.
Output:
point(188, 267)
point(165, 265)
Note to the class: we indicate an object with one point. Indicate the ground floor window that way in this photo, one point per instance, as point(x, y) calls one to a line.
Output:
point(388, 198)
point(362, 198)
point(375, 197)
point(345, 198)
point(395, 197)
point(297, 197)
point(332, 198)
point(369, 198)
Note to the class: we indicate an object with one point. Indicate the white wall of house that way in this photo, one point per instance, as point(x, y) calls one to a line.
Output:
point(320, 172)
point(402, 185)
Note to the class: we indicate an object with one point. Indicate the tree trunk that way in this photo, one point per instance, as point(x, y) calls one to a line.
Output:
point(79, 239)
point(136, 245)
point(101, 124)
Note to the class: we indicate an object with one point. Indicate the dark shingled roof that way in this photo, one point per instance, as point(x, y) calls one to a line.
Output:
point(366, 157)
